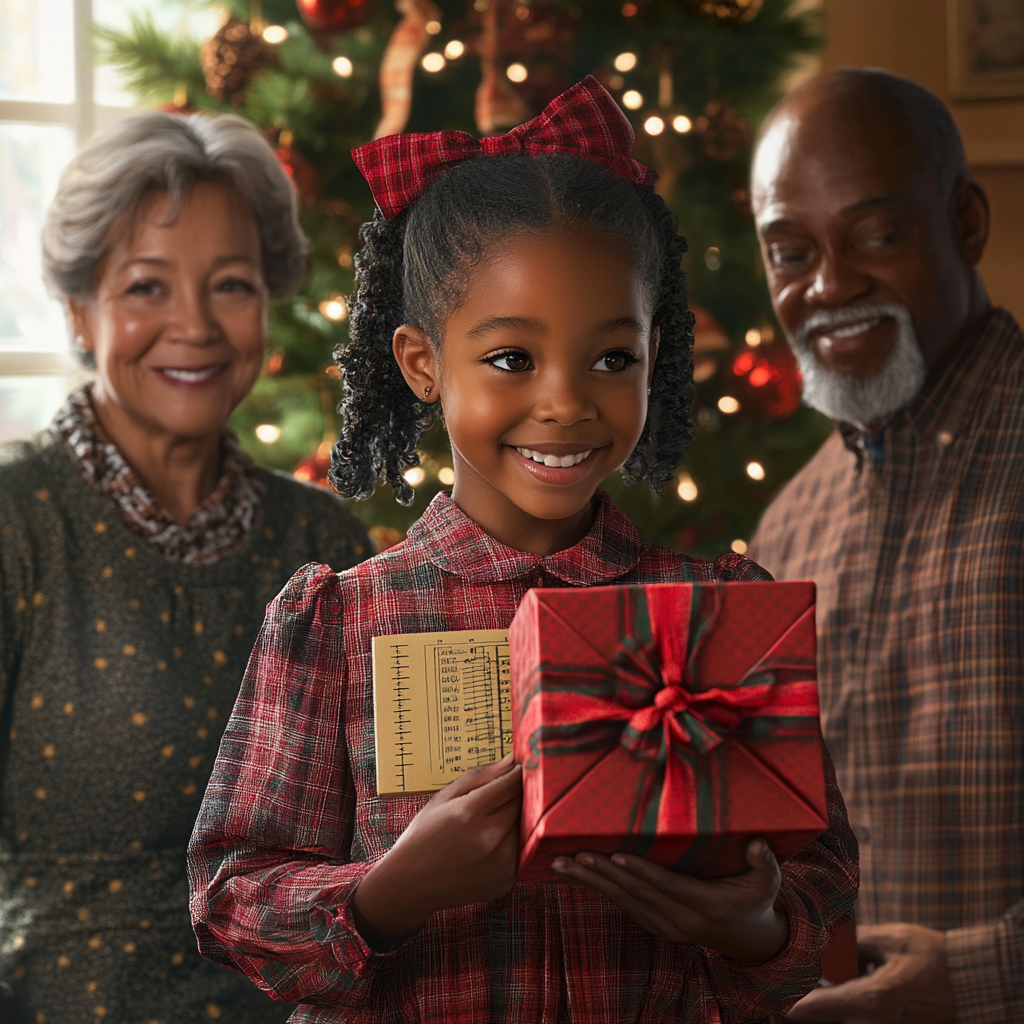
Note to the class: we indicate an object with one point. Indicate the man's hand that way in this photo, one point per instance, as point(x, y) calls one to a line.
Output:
point(462, 847)
point(735, 916)
point(910, 987)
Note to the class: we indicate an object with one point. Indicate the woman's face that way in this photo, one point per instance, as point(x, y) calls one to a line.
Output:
point(178, 319)
point(543, 373)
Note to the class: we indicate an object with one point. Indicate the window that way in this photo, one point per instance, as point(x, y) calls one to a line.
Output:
point(52, 99)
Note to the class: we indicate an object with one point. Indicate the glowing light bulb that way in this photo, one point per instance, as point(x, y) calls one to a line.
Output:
point(343, 67)
point(268, 433)
point(713, 257)
point(632, 100)
point(432, 27)
point(753, 337)
point(755, 470)
point(334, 309)
point(446, 475)
point(455, 49)
point(739, 546)
point(629, 10)
point(414, 476)
point(625, 62)
point(275, 34)
point(682, 123)
point(433, 62)
point(687, 489)
point(654, 125)
point(517, 72)
point(728, 405)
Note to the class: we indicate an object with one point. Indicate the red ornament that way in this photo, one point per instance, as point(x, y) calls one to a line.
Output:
point(334, 15)
point(312, 469)
point(767, 381)
point(299, 169)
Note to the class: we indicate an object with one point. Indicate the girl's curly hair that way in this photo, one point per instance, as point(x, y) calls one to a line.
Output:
point(415, 269)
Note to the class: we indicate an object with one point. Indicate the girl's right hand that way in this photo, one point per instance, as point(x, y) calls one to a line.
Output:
point(463, 847)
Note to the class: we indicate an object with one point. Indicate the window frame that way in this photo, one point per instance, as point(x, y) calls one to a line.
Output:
point(83, 117)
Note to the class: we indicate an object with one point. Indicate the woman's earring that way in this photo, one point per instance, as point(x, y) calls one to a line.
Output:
point(427, 390)
point(648, 390)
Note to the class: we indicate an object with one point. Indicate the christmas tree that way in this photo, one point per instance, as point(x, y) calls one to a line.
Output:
point(695, 76)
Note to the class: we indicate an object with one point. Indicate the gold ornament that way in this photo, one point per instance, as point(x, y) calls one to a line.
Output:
point(734, 11)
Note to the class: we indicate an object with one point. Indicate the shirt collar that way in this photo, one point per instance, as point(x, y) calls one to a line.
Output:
point(954, 392)
point(457, 545)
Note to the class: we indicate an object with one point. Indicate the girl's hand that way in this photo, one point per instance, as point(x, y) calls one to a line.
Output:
point(735, 916)
point(463, 847)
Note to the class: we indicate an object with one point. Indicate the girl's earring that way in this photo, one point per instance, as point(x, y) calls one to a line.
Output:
point(648, 390)
point(427, 390)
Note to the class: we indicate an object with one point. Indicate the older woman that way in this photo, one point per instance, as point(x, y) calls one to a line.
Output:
point(138, 548)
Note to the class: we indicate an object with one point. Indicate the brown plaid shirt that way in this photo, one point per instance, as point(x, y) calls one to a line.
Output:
point(915, 538)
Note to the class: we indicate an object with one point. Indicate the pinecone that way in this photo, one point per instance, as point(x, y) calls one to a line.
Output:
point(230, 58)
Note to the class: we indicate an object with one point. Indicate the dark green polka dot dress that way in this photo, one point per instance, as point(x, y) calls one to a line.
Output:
point(118, 669)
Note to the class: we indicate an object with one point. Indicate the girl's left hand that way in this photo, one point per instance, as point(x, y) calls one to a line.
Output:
point(735, 916)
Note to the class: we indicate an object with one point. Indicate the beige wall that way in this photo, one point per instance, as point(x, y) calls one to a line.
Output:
point(909, 37)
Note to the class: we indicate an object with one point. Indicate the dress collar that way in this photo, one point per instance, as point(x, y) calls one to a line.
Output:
point(217, 527)
point(457, 545)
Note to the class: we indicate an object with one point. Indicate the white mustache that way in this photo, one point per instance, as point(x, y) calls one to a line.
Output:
point(825, 318)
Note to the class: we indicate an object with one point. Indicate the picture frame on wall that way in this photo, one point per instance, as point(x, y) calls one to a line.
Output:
point(985, 49)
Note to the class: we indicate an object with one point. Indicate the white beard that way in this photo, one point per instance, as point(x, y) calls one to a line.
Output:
point(857, 400)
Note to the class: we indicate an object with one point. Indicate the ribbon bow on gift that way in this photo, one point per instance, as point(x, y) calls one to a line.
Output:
point(660, 715)
point(584, 122)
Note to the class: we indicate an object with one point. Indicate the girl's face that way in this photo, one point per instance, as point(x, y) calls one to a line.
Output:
point(543, 374)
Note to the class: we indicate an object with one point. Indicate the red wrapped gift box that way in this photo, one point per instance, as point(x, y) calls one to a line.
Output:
point(675, 721)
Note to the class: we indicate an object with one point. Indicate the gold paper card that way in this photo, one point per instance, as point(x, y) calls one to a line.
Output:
point(441, 706)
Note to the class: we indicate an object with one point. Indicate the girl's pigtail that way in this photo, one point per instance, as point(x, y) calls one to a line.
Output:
point(382, 420)
point(668, 432)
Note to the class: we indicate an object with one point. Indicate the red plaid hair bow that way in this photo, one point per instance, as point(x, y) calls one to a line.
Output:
point(584, 122)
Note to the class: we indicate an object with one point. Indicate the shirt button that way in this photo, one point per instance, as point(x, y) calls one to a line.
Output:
point(863, 833)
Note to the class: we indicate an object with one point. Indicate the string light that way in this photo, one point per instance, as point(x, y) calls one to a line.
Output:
point(625, 62)
point(334, 309)
point(755, 470)
point(687, 489)
point(268, 433)
point(682, 123)
point(629, 10)
point(275, 34)
point(713, 257)
point(616, 82)
point(728, 405)
point(446, 475)
point(517, 72)
point(433, 62)
point(739, 546)
point(415, 476)
point(632, 100)
point(753, 337)
point(654, 125)
point(432, 27)
point(343, 67)
point(455, 49)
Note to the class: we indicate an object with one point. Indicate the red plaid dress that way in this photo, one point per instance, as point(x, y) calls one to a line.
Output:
point(292, 821)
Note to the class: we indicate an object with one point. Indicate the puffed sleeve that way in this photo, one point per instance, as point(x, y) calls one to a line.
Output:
point(269, 869)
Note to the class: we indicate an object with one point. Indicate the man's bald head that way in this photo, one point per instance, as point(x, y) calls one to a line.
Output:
point(878, 99)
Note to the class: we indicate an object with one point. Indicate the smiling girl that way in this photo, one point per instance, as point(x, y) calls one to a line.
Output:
point(530, 287)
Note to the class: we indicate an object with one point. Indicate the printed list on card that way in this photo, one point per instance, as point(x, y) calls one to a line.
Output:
point(441, 706)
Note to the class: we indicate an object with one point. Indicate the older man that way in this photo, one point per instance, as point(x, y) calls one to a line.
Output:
point(911, 520)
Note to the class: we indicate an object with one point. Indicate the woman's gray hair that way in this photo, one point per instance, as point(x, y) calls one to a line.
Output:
point(109, 179)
